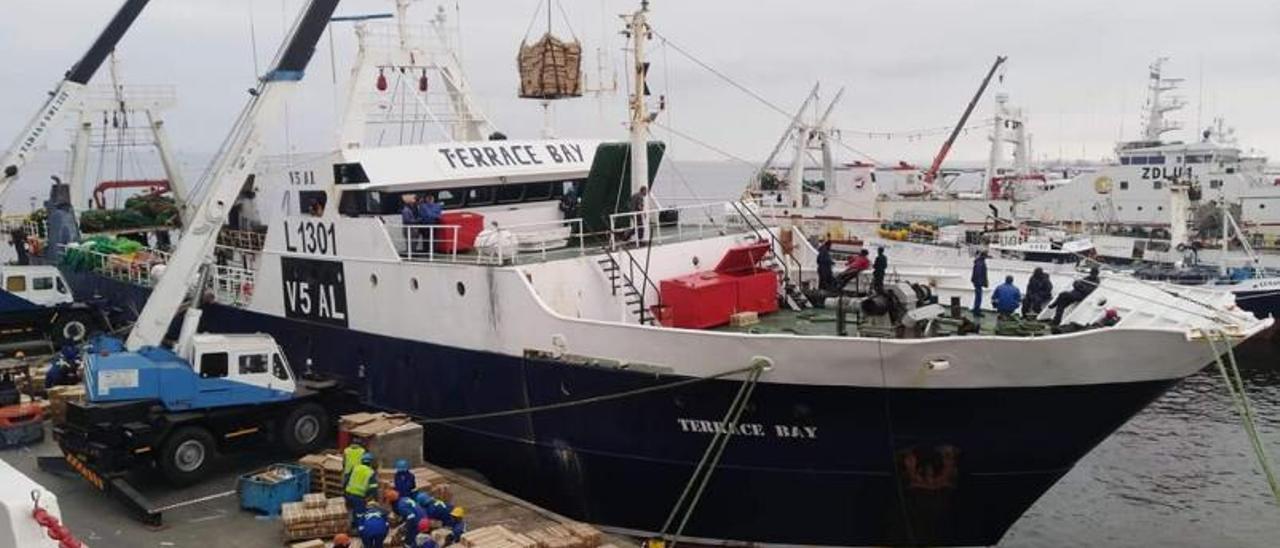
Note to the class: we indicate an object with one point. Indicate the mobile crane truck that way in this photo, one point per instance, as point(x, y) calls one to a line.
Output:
point(174, 409)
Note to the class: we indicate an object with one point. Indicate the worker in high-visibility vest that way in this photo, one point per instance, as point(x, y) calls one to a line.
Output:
point(360, 483)
point(351, 456)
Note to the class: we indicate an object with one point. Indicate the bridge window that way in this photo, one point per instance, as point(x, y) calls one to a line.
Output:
point(253, 364)
point(1157, 185)
point(509, 194)
point(1124, 160)
point(537, 191)
point(1215, 183)
point(1155, 159)
point(450, 199)
point(1124, 185)
point(359, 202)
point(479, 196)
point(62, 288)
point(347, 174)
point(15, 284)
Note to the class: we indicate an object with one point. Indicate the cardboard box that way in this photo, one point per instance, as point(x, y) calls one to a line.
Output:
point(59, 396)
point(743, 319)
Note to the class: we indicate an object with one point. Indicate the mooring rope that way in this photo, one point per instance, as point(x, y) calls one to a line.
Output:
point(1235, 386)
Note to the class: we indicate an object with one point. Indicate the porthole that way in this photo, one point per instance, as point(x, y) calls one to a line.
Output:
point(413, 284)
point(1139, 208)
point(462, 289)
point(1262, 206)
point(373, 280)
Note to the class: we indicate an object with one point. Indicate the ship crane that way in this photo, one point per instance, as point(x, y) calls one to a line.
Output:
point(66, 95)
point(932, 174)
point(227, 174)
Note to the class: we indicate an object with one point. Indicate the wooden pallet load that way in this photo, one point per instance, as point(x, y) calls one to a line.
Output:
point(315, 517)
point(496, 536)
point(59, 396)
point(426, 479)
point(326, 473)
point(569, 535)
point(390, 437)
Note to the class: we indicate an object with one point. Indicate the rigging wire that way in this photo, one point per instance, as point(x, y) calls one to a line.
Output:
point(703, 144)
point(666, 41)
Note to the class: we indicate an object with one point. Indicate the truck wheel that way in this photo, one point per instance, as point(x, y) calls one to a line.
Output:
point(70, 328)
point(187, 454)
point(305, 429)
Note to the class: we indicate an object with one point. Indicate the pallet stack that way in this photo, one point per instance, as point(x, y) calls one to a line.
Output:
point(59, 396)
point(426, 479)
point(326, 473)
point(570, 535)
point(315, 517)
point(390, 437)
point(496, 536)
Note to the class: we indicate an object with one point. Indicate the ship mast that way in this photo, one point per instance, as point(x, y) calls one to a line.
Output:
point(638, 28)
point(1158, 85)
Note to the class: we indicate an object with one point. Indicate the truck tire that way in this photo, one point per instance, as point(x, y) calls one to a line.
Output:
point(187, 454)
point(70, 328)
point(305, 429)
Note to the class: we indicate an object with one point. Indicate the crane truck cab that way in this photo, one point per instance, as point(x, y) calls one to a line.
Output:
point(36, 301)
point(175, 411)
point(219, 371)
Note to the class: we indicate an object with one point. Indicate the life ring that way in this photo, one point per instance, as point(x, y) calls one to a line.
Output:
point(1102, 185)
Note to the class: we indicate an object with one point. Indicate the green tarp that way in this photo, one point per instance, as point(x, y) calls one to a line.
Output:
point(608, 189)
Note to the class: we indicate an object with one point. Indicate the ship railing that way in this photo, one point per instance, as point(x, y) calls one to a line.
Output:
point(232, 285)
point(247, 240)
point(29, 227)
point(422, 242)
point(497, 245)
point(136, 268)
point(673, 223)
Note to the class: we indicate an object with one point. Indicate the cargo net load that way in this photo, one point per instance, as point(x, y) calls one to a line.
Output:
point(550, 68)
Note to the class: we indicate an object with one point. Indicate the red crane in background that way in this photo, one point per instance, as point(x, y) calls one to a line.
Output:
point(932, 174)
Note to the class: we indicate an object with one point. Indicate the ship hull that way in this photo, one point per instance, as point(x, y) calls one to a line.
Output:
point(815, 465)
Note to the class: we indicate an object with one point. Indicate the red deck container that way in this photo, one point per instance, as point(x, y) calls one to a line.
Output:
point(469, 224)
point(707, 299)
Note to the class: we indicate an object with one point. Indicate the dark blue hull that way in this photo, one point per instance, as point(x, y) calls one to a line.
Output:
point(815, 465)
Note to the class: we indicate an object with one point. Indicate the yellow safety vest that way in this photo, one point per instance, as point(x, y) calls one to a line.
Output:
point(358, 484)
point(351, 457)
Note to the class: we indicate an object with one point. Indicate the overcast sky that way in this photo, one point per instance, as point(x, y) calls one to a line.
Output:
point(1078, 67)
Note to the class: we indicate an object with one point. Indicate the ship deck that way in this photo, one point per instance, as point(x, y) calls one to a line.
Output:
point(817, 322)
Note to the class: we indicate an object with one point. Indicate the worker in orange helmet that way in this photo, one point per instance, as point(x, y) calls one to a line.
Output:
point(341, 540)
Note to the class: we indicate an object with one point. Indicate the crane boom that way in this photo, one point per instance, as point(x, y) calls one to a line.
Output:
point(66, 93)
point(932, 174)
point(226, 175)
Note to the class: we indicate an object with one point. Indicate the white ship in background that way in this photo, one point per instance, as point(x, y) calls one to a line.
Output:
point(1130, 195)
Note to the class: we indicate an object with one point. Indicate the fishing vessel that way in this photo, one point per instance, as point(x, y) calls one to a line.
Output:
point(584, 357)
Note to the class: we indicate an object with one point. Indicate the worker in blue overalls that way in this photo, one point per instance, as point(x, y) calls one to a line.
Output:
point(372, 526)
point(447, 514)
point(405, 482)
point(63, 368)
point(410, 514)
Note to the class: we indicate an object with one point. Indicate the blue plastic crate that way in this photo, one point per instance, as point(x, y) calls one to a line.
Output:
point(263, 495)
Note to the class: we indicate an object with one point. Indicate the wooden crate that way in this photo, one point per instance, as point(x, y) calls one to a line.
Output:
point(496, 536)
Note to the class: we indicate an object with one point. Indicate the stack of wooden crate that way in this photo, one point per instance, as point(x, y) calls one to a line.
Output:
point(59, 396)
point(496, 536)
point(390, 437)
point(314, 517)
point(426, 479)
point(326, 473)
point(570, 535)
